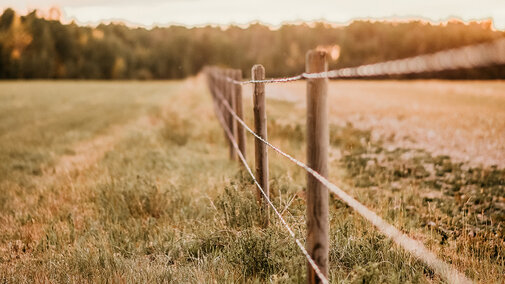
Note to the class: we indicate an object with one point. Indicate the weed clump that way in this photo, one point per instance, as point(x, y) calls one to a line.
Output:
point(240, 209)
point(260, 252)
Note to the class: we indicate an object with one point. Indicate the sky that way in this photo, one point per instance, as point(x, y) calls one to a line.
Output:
point(149, 13)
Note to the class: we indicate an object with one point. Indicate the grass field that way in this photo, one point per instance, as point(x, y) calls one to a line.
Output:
point(131, 182)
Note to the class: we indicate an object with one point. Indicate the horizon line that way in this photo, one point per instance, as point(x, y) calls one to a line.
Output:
point(132, 24)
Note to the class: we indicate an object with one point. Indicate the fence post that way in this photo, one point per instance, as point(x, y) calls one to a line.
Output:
point(211, 81)
point(219, 95)
point(219, 89)
point(317, 159)
point(214, 84)
point(240, 112)
point(230, 120)
point(260, 127)
point(223, 91)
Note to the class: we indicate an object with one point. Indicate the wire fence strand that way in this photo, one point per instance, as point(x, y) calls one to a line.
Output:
point(480, 55)
point(288, 228)
point(266, 81)
point(473, 56)
point(413, 246)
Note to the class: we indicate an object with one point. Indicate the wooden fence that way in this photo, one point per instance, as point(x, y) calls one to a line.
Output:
point(225, 85)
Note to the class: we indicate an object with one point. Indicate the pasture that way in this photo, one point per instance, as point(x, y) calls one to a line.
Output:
point(131, 182)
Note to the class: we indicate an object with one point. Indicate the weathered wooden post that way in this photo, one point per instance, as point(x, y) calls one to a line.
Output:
point(240, 112)
point(317, 159)
point(214, 84)
point(260, 127)
point(230, 75)
point(230, 120)
point(220, 95)
point(210, 83)
point(223, 96)
point(209, 72)
point(219, 89)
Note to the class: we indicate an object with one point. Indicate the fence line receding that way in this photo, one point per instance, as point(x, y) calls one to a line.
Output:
point(225, 88)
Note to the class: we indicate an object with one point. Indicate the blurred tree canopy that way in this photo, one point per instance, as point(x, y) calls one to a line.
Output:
point(33, 47)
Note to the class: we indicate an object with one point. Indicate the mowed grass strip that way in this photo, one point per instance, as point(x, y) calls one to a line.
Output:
point(166, 205)
point(50, 124)
point(41, 121)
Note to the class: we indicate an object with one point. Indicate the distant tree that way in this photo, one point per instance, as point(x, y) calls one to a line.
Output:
point(34, 47)
point(6, 19)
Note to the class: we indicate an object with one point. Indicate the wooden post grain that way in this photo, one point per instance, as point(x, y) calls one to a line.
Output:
point(317, 159)
point(240, 112)
point(260, 127)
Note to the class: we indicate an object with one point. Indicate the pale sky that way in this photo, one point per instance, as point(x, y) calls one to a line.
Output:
point(199, 12)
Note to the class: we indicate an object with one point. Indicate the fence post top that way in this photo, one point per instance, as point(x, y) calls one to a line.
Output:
point(316, 61)
point(313, 53)
point(258, 72)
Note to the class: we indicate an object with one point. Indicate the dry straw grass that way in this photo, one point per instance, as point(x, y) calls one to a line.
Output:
point(160, 202)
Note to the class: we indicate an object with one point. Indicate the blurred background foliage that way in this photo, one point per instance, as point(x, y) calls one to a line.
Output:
point(32, 47)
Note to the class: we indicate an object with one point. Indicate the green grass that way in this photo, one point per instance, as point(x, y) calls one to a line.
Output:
point(165, 204)
point(39, 121)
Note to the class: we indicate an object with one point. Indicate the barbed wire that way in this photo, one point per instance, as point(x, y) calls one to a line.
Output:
point(467, 57)
point(413, 246)
point(321, 276)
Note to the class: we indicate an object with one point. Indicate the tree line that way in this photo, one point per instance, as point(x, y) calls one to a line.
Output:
point(32, 47)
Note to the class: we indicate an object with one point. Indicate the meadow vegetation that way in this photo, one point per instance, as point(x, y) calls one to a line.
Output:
point(163, 203)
